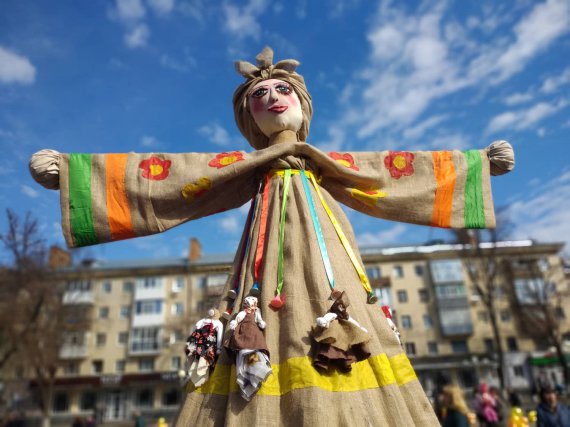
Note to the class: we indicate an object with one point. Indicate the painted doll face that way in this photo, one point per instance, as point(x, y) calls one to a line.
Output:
point(275, 106)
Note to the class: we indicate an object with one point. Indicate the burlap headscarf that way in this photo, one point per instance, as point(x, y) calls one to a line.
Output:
point(265, 70)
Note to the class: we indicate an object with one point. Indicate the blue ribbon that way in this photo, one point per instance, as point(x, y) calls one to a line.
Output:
point(318, 231)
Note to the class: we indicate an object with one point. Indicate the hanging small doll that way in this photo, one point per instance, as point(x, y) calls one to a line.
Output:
point(340, 340)
point(247, 340)
point(203, 347)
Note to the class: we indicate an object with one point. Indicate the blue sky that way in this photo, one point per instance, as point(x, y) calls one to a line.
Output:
point(157, 76)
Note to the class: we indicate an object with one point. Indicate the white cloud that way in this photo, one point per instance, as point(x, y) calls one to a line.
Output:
point(552, 83)
point(230, 223)
point(418, 130)
point(524, 119)
point(137, 36)
point(15, 68)
point(161, 7)
point(129, 11)
point(149, 141)
point(517, 98)
point(543, 214)
point(422, 56)
point(29, 191)
point(383, 237)
point(216, 134)
point(545, 23)
point(181, 65)
point(444, 142)
point(241, 22)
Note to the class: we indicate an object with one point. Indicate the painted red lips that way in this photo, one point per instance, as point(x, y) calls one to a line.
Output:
point(278, 108)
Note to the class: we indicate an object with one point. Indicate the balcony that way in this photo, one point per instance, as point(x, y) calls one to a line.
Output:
point(78, 297)
point(142, 293)
point(73, 351)
point(150, 319)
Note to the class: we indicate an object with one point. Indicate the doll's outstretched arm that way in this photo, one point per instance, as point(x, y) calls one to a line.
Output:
point(325, 321)
point(220, 335)
point(448, 189)
point(259, 320)
point(354, 322)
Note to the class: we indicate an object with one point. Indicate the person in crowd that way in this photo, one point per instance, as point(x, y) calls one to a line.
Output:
point(77, 422)
point(500, 406)
point(456, 411)
point(484, 405)
point(514, 398)
point(550, 412)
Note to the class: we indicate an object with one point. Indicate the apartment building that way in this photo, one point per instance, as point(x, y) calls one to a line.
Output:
point(143, 310)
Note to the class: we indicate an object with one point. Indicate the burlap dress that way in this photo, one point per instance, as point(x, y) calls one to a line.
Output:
point(116, 196)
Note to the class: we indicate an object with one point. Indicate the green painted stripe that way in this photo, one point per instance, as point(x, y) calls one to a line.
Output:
point(474, 205)
point(80, 205)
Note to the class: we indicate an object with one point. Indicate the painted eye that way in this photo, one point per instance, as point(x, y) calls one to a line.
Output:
point(284, 89)
point(258, 93)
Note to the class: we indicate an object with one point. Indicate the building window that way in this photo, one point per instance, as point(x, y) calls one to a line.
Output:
point(107, 287)
point(483, 316)
point(71, 368)
point(144, 339)
point(103, 312)
point(149, 307)
point(459, 346)
point(78, 285)
point(178, 285)
point(88, 401)
point(406, 322)
point(373, 272)
point(512, 344)
point(402, 296)
point(489, 345)
point(410, 348)
point(128, 287)
point(518, 370)
point(175, 336)
point(144, 398)
point(499, 292)
point(150, 283)
point(505, 315)
point(451, 290)
point(120, 366)
point(125, 312)
point(424, 295)
point(146, 365)
point(175, 363)
point(60, 402)
point(419, 270)
point(123, 338)
point(171, 397)
point(428, 322)
point(177, 309)
point(398, 271)
point(101, 339)
point(560, 314)
point(97, 366)
point(432, 347)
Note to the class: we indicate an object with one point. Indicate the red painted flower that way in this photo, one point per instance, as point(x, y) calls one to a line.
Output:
point(345, 159)
point(225, 159)
point(154, 168)
point(399, 163)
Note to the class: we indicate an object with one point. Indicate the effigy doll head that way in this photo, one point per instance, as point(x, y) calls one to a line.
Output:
point(272, 100)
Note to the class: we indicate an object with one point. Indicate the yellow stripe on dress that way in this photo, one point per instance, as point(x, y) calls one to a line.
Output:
point(298, 372)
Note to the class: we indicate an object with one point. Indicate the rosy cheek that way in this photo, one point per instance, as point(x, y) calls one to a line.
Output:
point(292, 100)
point(257, 106)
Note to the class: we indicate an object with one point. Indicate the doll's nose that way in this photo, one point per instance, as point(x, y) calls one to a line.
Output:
point(273, 95)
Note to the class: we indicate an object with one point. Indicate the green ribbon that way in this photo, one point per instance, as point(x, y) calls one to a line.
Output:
point(286, 184)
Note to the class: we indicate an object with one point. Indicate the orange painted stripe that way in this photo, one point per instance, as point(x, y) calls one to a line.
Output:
point(445, 176)
point(118, 212)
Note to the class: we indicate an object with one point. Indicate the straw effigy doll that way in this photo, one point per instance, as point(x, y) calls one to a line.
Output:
point(296, 243)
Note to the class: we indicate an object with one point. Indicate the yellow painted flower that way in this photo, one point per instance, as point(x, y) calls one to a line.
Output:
point(368, 197)
point(196, 189)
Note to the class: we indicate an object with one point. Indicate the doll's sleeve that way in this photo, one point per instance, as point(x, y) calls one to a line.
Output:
point(450, 189)
point(108, 197)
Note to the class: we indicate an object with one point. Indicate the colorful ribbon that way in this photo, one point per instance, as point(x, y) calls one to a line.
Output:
point(280, 262)
point(372, 298)
point(317, 227)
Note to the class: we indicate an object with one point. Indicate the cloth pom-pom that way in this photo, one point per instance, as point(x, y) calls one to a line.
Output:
point(277, 302)
point(44, 167)
point(502, 157)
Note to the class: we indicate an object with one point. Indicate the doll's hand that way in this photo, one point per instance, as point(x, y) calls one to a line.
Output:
point(502, 157)
point(325, 321)
point(233, 324)
point(44, 167)
point(261, 324)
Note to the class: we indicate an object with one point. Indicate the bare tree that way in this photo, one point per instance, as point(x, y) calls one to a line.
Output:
point(33, 318)
point(539, 290)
